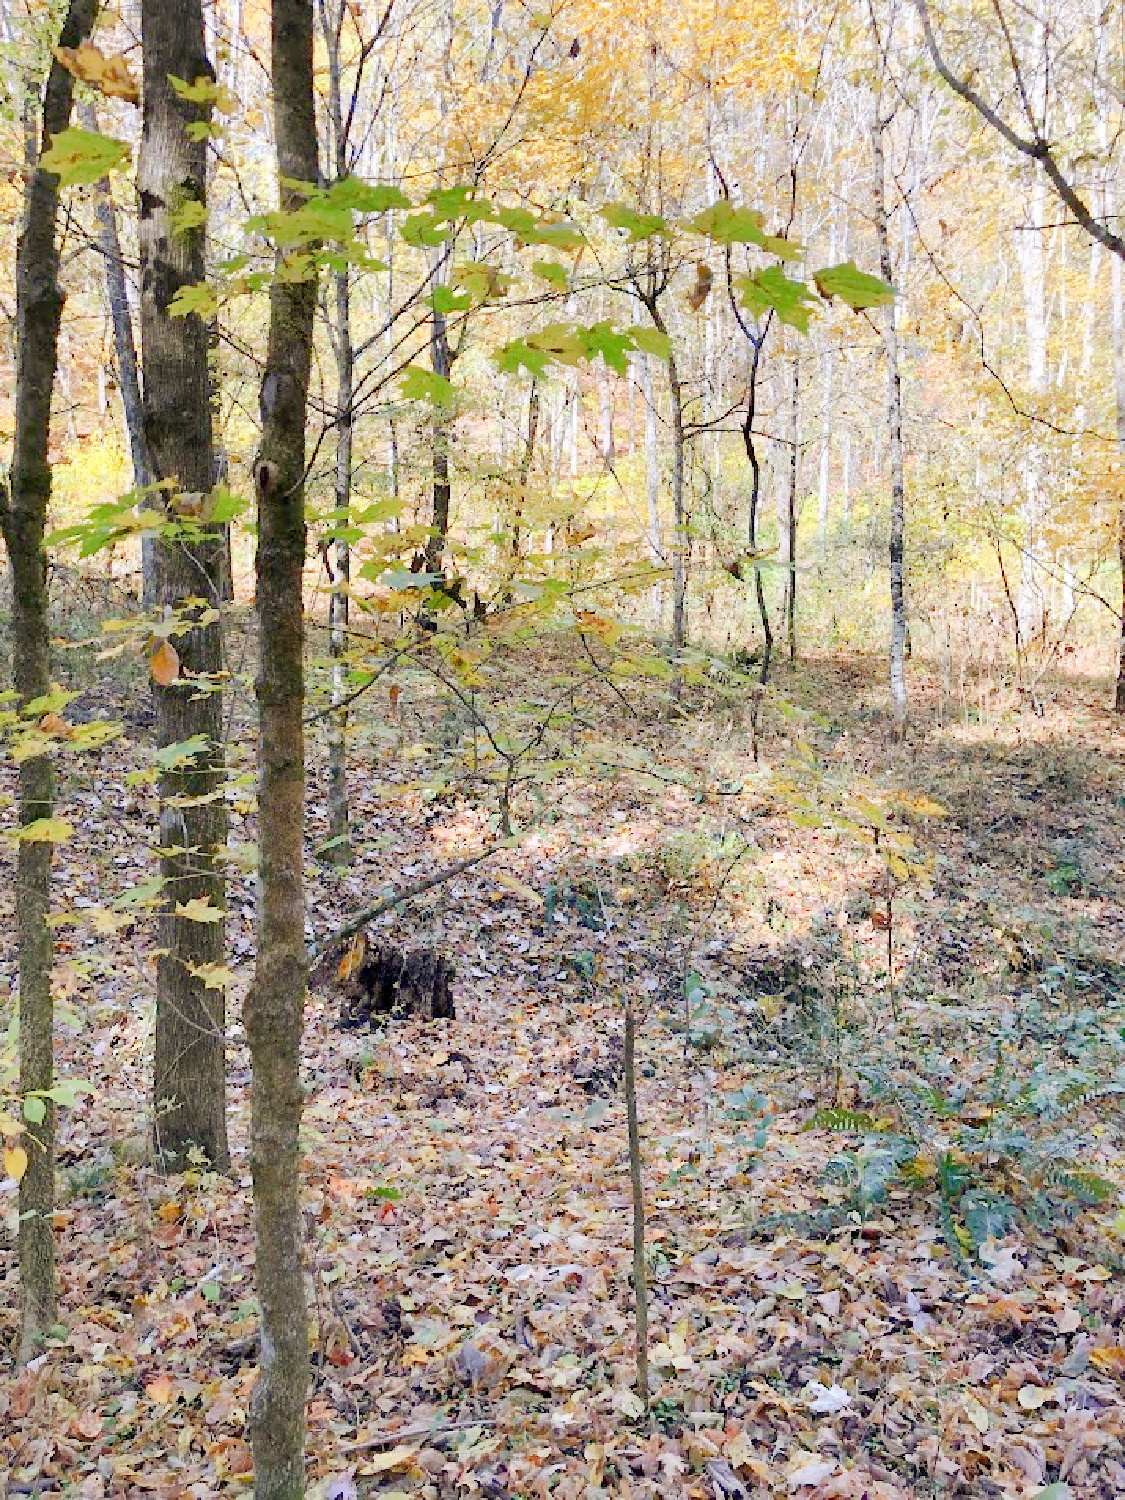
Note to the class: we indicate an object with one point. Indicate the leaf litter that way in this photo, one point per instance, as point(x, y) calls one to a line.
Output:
point(466, 1185)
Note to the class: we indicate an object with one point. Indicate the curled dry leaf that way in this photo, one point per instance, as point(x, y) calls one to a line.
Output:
point(111, 76)
point(164, 664)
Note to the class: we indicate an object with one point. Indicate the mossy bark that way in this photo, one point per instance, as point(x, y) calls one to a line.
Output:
point(189, 1093)
point(39, 304)
point(275, 1008)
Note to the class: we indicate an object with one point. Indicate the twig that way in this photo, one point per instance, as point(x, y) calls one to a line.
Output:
point(408, 1434)
point(404, 893)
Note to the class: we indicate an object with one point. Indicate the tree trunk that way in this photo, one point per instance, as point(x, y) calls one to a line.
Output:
point(189, 1092)
point(39, 302)
point(790, 514)
point(652, 486)
point(275, 1007)
point(441, 358)
point(894, 442)
point(1118, 311)
point(124, 348)
point(339, 847)
point(525, 467)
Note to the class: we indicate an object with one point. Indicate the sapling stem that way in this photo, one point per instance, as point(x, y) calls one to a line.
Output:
point(640, 1275)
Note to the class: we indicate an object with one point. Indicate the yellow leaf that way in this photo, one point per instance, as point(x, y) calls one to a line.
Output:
point(214, 976)
point(15, 1162)
point(976, 1414)
point(46, 831)
point(525, 893)
point(164, 664)
point(1032, 1397)
point(107, 922)
point(740, 1450)
point(394, 1458)
point(199, 910)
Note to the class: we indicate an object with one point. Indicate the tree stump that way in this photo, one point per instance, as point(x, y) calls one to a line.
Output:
point(382, 979)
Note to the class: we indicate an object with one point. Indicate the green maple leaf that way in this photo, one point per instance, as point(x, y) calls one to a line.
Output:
point(82, 156)
point(771, 288)
point(651, 341)
point(357, 196)
point(518, 355)
point(559, 343)
point(423, 385)
point(551, 271)
point(639, 226)
point(729, 225)
point(853, 286)
point(610, 343)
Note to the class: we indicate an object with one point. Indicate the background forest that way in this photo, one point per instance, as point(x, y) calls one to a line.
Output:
point(563, 594)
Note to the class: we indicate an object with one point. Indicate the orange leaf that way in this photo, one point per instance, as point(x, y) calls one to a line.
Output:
point(354, 955)
point(164, 664)
point(161, 1389)
point(88, 1425)
point(54, 724)
point(169, 1212)
point(110, 75)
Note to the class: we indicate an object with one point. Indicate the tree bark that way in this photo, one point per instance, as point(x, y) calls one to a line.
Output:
point(339, 847)
point(189, 1092)
point(1118, 319)
point(441, 358)
point(275, 1007)
point(894, 443)
point(790, 517)
point(124, 348)
point(526, 462)
point(39, 303)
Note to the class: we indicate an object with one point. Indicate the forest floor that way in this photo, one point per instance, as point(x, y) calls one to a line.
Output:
point(883, 1227)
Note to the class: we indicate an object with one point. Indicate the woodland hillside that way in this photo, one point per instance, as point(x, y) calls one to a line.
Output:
point(561, 750)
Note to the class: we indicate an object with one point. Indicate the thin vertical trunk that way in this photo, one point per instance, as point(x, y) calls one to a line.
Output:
point(1119, 391)
point(124, 348)
point(39, 304)
point(525, 465)
point(751, 448)
point(1032, 255)
point(275, 1007)
point(825, 474)
point(652, 486)
point(791, 504)
point(190, 1063)
point(894, 443)
point(679, 521)
point(441, 359)
point(339, 846)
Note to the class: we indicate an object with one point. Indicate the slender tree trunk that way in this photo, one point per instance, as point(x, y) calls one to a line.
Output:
point(339, 848)
point(824, 477)
point(275, 1008)
point(441, 358)
point(652, 486)
point(636, 1181)
point(752, 537)
point(23, 511)
point(791, 505)
point(190, 1069)
point(525, 466)
point(1118, 311)
point(894, 440)
point(124, 348)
